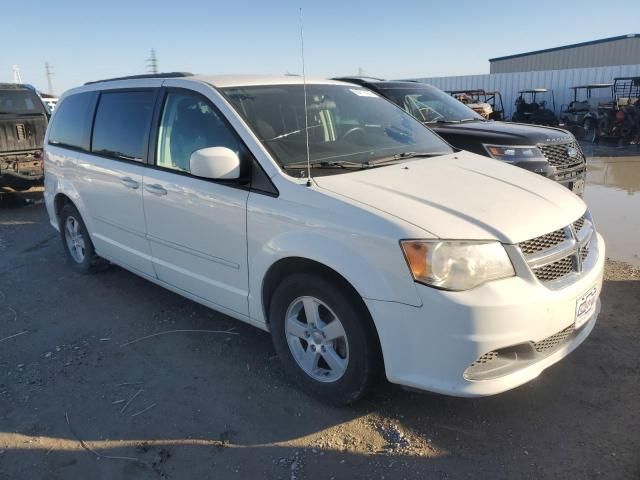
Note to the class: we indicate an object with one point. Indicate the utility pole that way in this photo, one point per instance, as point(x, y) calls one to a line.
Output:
point(152, 62)
point(360, 72)
point(50, 73)
point(17, 77)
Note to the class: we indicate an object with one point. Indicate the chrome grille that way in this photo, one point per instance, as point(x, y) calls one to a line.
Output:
point(558, 155)
point(544, 242)
point(557, 254)
point(553, 341)
point(555, 270)
point(584, 251)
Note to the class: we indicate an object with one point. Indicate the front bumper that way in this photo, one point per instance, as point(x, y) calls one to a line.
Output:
point(430, 347)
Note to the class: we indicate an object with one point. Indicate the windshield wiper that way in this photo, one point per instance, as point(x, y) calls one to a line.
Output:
point(399, 157)
point(441, 121)
point(403, 156)
point(333, 164)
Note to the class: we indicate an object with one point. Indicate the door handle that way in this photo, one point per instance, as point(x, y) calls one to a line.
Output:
point(129, 182)
point(155, 189)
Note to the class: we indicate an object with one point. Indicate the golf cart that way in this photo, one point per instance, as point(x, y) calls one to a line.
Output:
point(485, 103)
point(531, 107)
point(621, 119)
point(583, 111)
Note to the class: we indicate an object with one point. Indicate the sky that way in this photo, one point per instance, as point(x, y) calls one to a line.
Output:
point(86, 40)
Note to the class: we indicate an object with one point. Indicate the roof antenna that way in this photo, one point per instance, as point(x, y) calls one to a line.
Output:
point(304, 87)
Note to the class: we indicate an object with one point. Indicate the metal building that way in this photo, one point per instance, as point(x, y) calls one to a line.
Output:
point(621, 50)
point(511, 83)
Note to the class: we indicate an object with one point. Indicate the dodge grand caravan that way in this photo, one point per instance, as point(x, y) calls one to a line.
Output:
point(444, 270)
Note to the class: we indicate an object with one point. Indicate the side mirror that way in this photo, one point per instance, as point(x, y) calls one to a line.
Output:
point(217, 163)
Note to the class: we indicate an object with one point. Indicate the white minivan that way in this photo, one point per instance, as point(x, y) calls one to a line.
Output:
point(447, 271)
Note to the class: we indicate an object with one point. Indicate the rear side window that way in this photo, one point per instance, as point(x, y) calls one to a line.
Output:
point(121, 127)
point(71, 125)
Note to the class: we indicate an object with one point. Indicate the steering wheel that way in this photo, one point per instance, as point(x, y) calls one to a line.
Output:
point(430, 115)
point(352, 131)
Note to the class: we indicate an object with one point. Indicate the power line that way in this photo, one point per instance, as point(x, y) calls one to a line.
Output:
point(50, 73)
point(152, 62)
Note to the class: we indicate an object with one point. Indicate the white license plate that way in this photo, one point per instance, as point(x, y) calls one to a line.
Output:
point(578, 187)
point(585, 305)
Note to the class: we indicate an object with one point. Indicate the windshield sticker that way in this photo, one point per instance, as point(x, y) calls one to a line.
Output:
point(363, 93)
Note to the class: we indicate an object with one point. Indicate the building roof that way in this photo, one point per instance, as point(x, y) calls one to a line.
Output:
point(565, 47)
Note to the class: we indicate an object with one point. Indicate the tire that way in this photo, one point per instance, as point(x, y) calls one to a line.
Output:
point(342, 370)
point(76, 241)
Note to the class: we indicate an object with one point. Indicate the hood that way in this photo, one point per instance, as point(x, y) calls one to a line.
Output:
point(463, 196)
point(503, 133)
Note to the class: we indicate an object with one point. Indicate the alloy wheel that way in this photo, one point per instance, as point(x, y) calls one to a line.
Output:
point(75, 239)
point(317, 339)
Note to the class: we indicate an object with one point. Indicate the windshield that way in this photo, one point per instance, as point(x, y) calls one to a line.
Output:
point(20, 102)
point(430, 105)
point(346, 124)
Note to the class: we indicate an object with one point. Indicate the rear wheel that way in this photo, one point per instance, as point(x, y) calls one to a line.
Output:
point(76, 240)
point(324, 338)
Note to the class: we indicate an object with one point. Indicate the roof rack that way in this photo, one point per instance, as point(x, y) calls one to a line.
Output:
point(362, 78)
point(145, 75)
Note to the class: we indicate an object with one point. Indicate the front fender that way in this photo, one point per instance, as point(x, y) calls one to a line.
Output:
point(371, 261)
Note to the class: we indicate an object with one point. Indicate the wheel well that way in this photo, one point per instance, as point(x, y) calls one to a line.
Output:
point(59, 202)
point(292, 265)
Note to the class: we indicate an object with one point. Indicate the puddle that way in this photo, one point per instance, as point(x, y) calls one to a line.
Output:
point(613, 196)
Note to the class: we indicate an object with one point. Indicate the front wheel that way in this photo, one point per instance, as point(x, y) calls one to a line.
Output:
point(324, 338)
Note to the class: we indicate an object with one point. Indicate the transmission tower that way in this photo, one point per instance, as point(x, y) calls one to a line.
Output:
point(17, 77)
point(50, 73)
point(152, 62)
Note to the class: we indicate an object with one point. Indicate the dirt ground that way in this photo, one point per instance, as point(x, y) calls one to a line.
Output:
point(78, 401)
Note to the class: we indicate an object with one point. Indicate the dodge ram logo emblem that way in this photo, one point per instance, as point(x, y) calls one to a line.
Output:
point(572, 152)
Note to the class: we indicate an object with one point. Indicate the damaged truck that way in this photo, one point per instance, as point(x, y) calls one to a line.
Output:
point(23, 123)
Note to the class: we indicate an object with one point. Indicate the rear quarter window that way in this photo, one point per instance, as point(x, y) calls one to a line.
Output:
point(121, 126)
point(71, 125)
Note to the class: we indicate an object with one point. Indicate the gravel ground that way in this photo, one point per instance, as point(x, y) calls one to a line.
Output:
point(78, 401)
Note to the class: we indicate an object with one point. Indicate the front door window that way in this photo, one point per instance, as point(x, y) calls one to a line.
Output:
point(190, 123)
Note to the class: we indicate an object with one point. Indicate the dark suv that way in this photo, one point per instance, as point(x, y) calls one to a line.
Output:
point(23, 123)
point(551, 152)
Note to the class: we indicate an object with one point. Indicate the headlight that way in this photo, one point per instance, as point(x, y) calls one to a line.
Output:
point(508, 153)
point(456, 265)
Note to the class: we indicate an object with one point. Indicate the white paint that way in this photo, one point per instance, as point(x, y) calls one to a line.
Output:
point(214, 244)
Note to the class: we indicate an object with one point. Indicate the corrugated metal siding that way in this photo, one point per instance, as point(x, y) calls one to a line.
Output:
point(509, 84)
point(616, 52)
